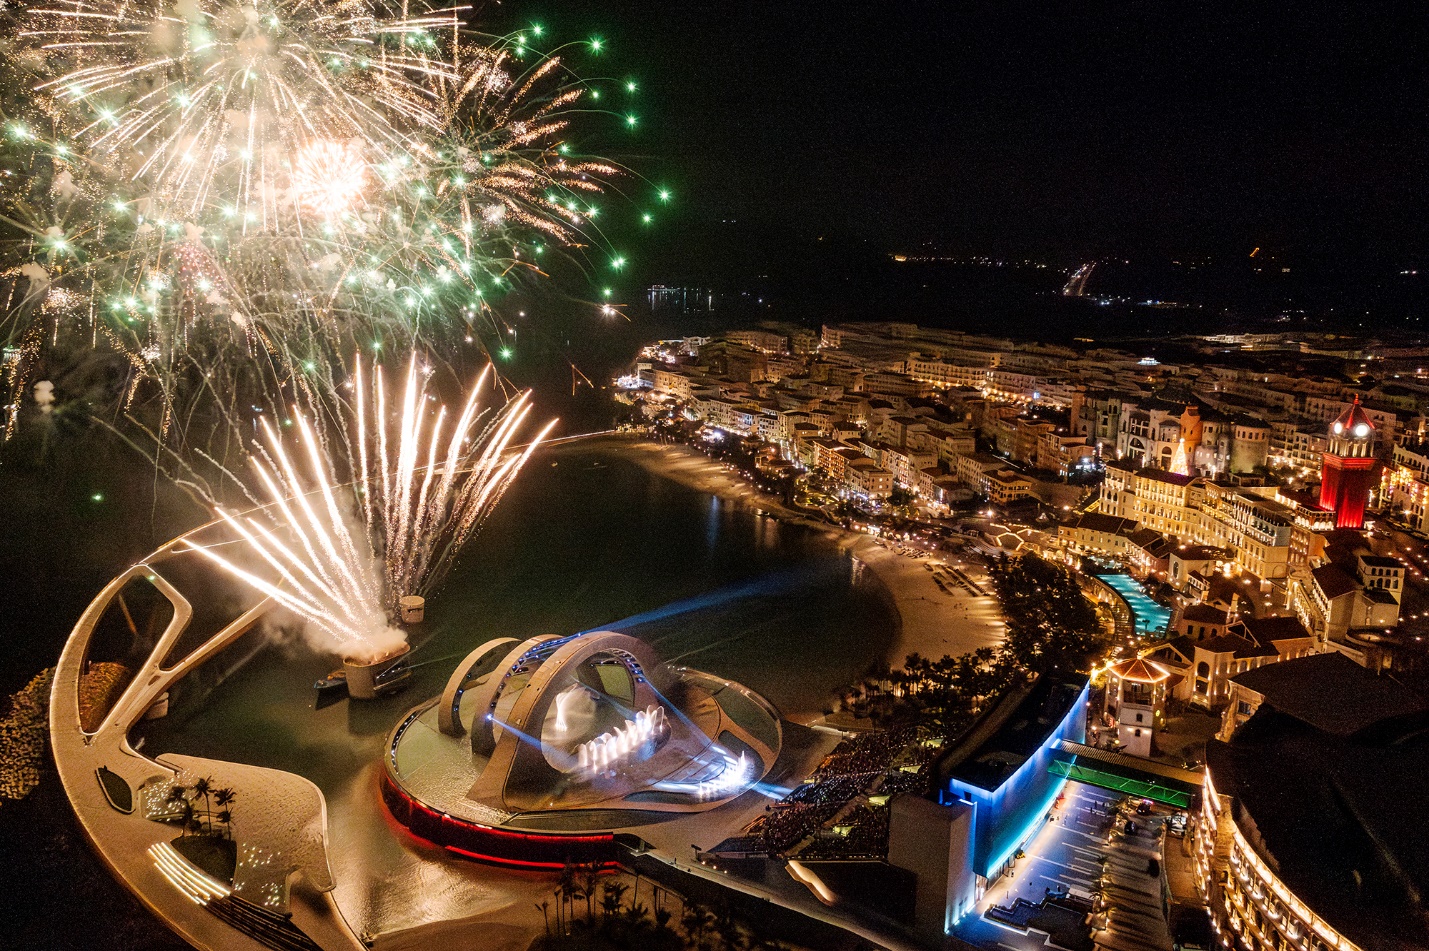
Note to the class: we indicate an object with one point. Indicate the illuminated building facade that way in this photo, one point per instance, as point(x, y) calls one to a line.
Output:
point(1404, 486)
point(1347, 473)
point(1311, 834)
point(995, 790)
point(1004, 773)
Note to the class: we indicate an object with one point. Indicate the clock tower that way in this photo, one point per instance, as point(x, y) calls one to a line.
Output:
point(1348, 469)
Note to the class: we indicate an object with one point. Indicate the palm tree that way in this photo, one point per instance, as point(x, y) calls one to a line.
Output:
point(179, 795)
point(590, 878)
point(203, 786)
point(695, 921)
point(612, 895)
point(565, 886)
point(730, 936)
point(635, 915)
point(223, 798)
point(192, 824)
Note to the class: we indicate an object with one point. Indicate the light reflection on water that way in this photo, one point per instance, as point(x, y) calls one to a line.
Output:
point(591, 542)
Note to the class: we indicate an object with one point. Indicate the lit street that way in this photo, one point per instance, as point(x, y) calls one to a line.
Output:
point(1076, 851)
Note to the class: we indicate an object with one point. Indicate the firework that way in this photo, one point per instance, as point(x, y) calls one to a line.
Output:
point(329, 177)
point(209, 99)
point(273, 182)
point(341, 554)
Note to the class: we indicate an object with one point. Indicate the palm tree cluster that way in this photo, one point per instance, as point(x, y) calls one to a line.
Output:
point(1051, 625)
point(204, 820)
point(940, 695)
point(614, 919)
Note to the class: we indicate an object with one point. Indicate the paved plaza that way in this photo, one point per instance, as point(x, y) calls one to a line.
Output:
point(1085, 851)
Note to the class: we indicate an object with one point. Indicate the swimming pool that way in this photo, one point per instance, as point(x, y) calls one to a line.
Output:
point(1151, 617)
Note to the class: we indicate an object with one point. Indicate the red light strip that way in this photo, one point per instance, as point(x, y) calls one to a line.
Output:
point(443, 818)
point(498, 860)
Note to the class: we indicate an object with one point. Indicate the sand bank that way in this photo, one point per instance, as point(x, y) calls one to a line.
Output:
point(943, 602)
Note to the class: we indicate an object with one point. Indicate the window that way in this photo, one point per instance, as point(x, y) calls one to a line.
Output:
point(1138, 732)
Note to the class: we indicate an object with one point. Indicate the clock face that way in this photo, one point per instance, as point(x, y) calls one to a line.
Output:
point(1339, 428)
point(1362, 430)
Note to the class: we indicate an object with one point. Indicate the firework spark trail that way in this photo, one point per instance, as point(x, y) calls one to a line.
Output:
point(343, 553)
point(422, 513)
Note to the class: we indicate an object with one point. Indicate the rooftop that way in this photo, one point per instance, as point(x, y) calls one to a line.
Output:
point(1141, 671)
point(1334, 582)
point(1268, 629)
point(1234, 644)
point(1328, 785)
point(1199, 552)
point(1012, 731)
point(1204, 614)
point(1160, 476)
point(1098, 522)
point(1332, 693)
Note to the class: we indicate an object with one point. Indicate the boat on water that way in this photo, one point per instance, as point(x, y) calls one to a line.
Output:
point(386, 681)
point(391, 678)
point(334, 680)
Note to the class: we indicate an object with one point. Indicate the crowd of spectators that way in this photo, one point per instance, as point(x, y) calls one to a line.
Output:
point(785, 826)
point(904, 782)
point(866, 753)
point(861, 833)
point(832, 813)
point(836, 789)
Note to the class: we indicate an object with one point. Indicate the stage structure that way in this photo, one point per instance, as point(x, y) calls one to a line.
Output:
point(538, 751)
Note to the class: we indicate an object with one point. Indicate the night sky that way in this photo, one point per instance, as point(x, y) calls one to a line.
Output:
point(1061, 129)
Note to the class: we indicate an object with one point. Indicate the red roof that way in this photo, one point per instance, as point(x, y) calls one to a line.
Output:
point(1140, 671)
point(1351, 419)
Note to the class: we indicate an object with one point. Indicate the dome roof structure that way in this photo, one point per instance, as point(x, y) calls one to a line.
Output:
point(1353, 423)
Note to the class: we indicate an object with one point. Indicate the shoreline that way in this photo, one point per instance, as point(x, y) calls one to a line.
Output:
point(936, 605)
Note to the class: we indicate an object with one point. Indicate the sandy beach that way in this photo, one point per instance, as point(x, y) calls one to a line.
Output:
point(943, 602)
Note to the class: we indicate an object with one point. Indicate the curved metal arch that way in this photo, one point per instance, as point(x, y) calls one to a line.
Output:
point(649, 672)
point(638, 657)
point(449, 707)
point(483, 739)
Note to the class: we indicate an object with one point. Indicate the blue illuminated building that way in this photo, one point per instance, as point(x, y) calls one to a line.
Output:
point(1000, 768)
